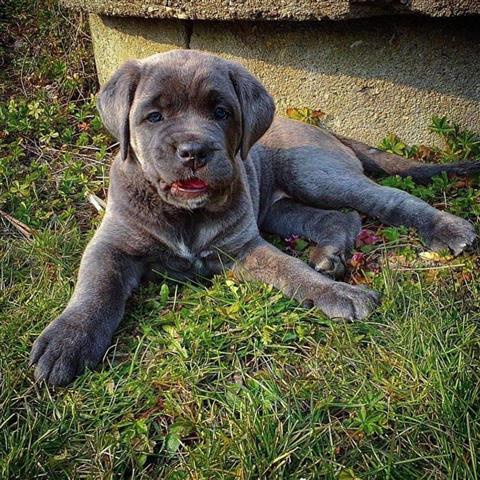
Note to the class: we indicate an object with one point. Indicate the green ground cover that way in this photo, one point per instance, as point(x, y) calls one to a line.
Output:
point(230, 381)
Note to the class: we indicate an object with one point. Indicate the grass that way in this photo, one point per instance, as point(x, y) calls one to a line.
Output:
point(232, 381)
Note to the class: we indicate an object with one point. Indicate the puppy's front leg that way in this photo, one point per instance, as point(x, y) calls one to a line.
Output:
point(262, 261)
point(79, 337)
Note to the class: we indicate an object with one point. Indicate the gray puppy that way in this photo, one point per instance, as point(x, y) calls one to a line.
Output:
point(203, 167)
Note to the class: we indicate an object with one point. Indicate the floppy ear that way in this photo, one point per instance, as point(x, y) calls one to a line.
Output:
point(114, 102)
point(257, 107)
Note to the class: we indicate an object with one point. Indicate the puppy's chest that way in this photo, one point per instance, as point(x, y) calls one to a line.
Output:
point(194, 252)
point(189, 244)
point(181, 263)
point(203, 262)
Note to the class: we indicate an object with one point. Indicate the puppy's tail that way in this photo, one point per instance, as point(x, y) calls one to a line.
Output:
point(377, 162)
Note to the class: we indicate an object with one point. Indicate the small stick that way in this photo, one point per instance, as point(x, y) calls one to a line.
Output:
point(21, 227)
point(442, 267)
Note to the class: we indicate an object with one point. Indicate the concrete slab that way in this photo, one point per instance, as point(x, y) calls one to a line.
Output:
point(274, 9)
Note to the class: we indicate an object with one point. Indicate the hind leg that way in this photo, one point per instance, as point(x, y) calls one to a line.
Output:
point(440, 230)
point(334, 232)
point(315, 168)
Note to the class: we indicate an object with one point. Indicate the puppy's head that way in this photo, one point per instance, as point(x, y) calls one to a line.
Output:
point(185, 116)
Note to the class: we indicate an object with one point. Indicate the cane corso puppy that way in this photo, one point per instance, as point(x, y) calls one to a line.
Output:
point(203, 167)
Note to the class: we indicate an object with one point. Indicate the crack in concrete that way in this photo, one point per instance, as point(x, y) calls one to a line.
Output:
point(188, 33)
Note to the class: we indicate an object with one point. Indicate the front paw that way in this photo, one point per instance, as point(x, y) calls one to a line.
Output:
point(341, 300)
point(65, 348)
point(449, 232)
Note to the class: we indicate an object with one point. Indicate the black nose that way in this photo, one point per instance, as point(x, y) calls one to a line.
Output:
point(193, 154)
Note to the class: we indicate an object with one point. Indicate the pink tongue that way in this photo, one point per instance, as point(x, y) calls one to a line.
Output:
point(192, 184)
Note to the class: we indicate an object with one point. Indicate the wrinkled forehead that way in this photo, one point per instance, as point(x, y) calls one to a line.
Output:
point(184, 81)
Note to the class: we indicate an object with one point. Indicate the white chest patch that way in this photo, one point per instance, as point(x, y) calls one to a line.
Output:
point(183, 251)
point(278, 195)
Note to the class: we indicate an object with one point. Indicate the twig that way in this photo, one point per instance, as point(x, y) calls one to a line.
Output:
point(97, 202)
point(441, 267)
point(21, 227)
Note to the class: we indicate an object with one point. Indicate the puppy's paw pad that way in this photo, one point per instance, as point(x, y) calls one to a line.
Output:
point(451, 232)
point(63, 351)
point(57, 372)
point(328, 261)
point(348, 301)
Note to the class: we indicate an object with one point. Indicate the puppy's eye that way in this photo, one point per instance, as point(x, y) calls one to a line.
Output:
point(154, 117)
point(220, 113)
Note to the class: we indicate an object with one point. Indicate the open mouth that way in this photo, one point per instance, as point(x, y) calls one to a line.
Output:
point(191, 187)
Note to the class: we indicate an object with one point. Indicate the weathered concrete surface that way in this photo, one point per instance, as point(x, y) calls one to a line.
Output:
point(116, 39)
point(369, 77)
point(274, 9)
